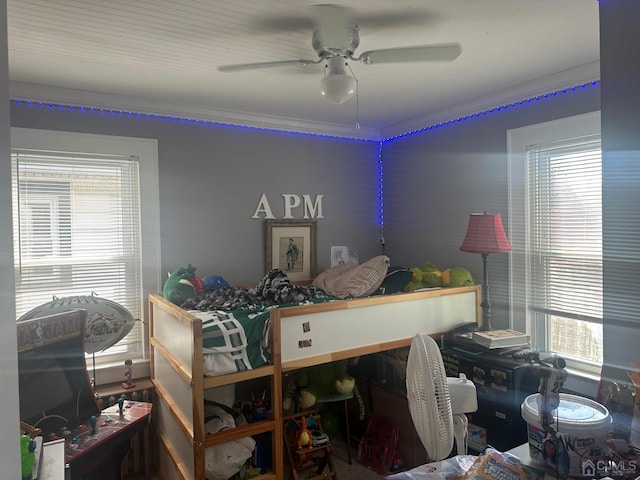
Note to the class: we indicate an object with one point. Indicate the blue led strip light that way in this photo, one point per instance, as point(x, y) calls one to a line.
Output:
point(174, 119)
point(209, 123)
point(380, 189)
point(508, 106)
point(380, 182)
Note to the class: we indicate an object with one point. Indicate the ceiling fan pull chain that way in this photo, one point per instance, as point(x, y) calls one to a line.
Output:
point(357, 91)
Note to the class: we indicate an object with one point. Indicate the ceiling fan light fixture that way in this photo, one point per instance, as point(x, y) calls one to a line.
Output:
point(337, 86)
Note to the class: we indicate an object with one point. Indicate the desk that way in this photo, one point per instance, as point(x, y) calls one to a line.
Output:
point(98, 455)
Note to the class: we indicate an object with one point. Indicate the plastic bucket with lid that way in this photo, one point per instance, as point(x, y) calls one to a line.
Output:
point(581, 426)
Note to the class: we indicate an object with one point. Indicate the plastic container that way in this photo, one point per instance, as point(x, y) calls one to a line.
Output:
point(581, 426)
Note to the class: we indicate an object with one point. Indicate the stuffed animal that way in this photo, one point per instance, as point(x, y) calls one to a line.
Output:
point(318, 381)
point(426, 277)
point(457, 277)
point(429, 276)
point(182, 284)
point(215, 282)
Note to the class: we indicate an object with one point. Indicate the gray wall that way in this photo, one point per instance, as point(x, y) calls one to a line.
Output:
point(435, 179)
point(211, 180)
point(433, 182)
point(9, 423)
point(621, 183)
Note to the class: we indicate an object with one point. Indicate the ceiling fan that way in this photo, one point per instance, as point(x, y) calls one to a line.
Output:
point(335, 39)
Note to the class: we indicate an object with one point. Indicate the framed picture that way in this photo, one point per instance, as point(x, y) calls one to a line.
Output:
point(291, 247)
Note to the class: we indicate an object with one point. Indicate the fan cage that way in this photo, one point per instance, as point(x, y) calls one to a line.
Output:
point(428, 397)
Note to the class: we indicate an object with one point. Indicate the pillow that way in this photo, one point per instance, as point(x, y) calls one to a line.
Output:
point(350, 280)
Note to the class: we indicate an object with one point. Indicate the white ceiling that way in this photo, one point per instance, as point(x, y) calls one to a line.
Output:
point(161, 56)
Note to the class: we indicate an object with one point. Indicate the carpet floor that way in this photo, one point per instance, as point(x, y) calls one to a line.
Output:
point(344, 470)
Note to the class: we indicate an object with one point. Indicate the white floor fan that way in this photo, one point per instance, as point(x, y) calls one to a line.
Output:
point(437, 403)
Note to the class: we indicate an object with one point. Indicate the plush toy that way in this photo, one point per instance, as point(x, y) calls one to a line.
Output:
point(457, 277)
point(429, 276)
point(182, 285)
point(318, 381)
point(426, 277)
point(215, 282)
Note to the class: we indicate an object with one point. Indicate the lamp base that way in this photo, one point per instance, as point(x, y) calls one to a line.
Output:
point(486, 304)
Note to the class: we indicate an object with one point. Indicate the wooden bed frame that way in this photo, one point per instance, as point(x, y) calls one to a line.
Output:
point(301, 336)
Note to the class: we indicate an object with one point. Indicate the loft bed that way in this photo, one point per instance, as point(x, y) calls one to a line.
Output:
point(300, 336)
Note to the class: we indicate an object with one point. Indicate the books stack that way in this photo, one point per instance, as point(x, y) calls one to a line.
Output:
point(500, 338)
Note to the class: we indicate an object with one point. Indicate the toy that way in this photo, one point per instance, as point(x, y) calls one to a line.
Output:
point(308, 432)
point(215, 282)
point(304, 435)
point(321, 380)
point(319, 438)
point(457, 277)
point(429, 277)
point(127, 384)
point(308, 447)
point(426, 277)
point(181, 285)
point(258, 408)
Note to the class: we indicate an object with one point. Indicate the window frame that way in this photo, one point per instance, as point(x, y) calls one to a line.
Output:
point(518, 140)
point(146, 150)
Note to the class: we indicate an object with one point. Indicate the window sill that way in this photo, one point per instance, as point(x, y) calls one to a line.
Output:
point(109, 373)
point(581, 383)
point(141, 390)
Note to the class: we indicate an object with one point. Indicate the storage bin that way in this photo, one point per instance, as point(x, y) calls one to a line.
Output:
point(579, 446)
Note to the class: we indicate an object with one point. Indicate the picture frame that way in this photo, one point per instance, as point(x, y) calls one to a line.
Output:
point(291, 246)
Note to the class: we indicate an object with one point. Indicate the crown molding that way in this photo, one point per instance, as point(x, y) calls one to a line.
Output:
point(42, 93)
point(130, 104)
point(568, 78)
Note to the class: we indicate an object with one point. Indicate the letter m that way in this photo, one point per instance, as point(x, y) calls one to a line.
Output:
point(312, 210)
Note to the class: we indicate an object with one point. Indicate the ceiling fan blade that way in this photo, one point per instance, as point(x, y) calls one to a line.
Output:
point(254, 66)
point(426, 53)
point(333, 24)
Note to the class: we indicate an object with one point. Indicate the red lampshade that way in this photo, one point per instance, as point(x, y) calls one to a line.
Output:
point(485, 234)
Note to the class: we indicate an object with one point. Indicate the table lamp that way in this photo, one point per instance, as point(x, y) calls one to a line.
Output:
point(485, 235)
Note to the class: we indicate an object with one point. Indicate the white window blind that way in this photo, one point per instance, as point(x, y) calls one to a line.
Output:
point(77, 231)
point(564, 211)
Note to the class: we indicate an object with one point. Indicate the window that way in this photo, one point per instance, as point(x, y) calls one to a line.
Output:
point(556, 201)
point(78, 205)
